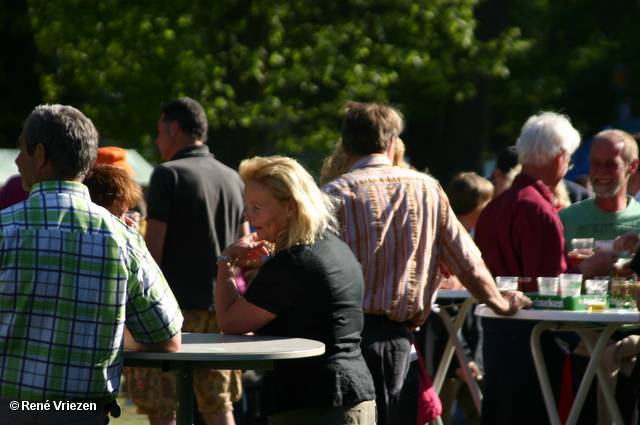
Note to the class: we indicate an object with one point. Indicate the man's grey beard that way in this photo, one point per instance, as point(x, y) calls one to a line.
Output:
point(606, 191)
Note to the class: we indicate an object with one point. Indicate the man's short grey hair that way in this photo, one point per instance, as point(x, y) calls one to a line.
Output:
point(629, 144)
point(544, 136)
point(68, 136)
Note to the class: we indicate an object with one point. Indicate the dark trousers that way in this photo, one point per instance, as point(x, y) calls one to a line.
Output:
point(386, 347)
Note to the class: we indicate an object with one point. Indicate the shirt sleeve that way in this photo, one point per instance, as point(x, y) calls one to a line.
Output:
point(153, 314)
point(459, 252)
point(160, 194)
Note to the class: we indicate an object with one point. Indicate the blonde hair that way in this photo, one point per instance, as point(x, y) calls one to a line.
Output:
point(561, 197)
point(284, 178)
point(339, 163)
point(335, 164)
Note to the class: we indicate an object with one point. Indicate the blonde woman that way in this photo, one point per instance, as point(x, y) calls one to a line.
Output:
point(312, 287)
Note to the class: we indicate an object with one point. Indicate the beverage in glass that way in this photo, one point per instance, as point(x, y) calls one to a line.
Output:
point(582, 249)
point(548, 285)
point(570, 284)
point(507, 283)
point(619, 289)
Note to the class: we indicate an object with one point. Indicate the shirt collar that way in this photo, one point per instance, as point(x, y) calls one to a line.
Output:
point(57, 186)
point(375, 160)
point(523, 180)
point(192, 150)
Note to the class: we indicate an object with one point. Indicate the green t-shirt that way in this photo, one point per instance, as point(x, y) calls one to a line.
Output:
point(585, 220)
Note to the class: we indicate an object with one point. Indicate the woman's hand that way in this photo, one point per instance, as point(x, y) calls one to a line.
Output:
point(246, 250)
point(131, 222)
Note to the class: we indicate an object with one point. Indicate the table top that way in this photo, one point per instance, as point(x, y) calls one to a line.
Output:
point(217, 347)
point(453, 293)
point(612, 315)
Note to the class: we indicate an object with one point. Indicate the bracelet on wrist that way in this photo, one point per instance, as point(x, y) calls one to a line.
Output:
point(225, 258)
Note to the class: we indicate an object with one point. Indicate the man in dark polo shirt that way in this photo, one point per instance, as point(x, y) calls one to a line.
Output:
point(195, 209)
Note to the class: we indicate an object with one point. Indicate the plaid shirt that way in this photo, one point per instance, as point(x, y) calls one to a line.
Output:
point(400, 226)
point(71, 275)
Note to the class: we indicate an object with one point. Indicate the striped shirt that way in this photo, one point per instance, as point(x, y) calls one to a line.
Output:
point(400, 226)
point(71, 276)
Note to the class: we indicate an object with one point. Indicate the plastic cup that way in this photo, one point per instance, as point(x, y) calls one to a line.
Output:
point(597, 286)
point(582, 249)
point(507, 283)
point(603, 246)
point(570, 284)
point(582, 243)
point(548, 285)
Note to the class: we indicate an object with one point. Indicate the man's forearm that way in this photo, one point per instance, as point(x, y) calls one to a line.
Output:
point(480, 284)
point(171, 345)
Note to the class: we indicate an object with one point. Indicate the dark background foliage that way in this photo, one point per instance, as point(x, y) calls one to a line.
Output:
point(274, 75)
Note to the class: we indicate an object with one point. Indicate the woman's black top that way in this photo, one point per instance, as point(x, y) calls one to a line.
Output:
point(316, 292)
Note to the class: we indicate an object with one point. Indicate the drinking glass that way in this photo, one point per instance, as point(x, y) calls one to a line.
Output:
point(507, 283)
point(597, 286)
point(619, 290)
point(525, 284)
point(582, 249)
point(548, 285)
point(570, 284)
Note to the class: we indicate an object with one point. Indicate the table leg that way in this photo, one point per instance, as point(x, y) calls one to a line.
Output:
point(593, 366)
point(541, 370)
point(454, 344)
point(184, 392)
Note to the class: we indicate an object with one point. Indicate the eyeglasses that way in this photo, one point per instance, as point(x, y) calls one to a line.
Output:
point(571, 164)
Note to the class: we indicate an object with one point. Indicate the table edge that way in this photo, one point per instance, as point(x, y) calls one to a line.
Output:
point(563, 315)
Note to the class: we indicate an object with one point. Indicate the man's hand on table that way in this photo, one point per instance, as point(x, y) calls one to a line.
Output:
point(517, 301)
point(482, 287)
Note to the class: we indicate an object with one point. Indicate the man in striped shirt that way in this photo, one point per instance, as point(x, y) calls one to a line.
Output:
point(72, 276)
point(400, 226)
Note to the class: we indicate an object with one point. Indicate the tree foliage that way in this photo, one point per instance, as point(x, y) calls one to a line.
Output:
point(583, 63)
point(19, 89)
point(272, 75)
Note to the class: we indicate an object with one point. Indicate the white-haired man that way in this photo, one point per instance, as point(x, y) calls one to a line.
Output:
point(520, 234)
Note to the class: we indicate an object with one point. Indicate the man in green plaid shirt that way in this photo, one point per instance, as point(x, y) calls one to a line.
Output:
point(71, 277)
